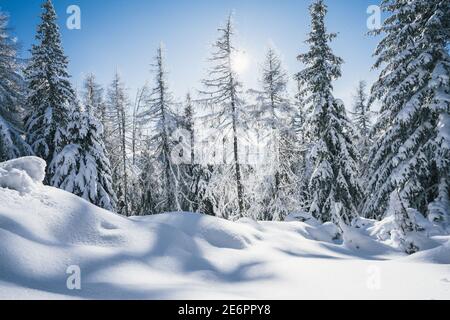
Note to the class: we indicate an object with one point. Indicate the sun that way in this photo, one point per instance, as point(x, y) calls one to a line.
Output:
point(240, 62)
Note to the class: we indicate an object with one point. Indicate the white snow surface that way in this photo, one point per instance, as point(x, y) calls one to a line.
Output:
point(44, 230)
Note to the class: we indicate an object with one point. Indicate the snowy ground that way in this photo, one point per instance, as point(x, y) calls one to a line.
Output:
point(44, 230)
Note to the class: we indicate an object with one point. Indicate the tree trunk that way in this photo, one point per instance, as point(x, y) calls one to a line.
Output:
point(240, 189)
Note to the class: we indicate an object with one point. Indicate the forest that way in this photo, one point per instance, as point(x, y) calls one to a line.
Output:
point(259, 153)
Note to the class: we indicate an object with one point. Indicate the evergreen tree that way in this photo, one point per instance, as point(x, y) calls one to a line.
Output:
point(362, 121)
point(190, 171)
point(222, 90)
point(82, 167)
point(160, 117)
point(411, 154)
point(12, 145)
point(404, 224)
point(331, 156)
point(50, 98)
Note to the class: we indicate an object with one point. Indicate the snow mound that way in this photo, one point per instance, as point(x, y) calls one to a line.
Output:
point(384, 231)
point(356, 239)
point(23, 174)
point(192, 256)
point(216, 232)
point(439, 255)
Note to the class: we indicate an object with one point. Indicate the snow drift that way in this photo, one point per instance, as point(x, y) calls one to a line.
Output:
point(23, 174)
point(44, 231)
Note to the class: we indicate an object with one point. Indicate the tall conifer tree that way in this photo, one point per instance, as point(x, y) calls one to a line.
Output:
point(50, 99)
point(332, 157)
point(12, 144)
point(411, 157)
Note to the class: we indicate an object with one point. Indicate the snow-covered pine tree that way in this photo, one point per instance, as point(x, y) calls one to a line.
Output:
point(331, 156)
point(222, 91)
point(12, 144)
point(194, 172)
point(161, 121)
point(117, 142)
point(412, 154)
point(190, 172)
point(82, 166)
point(404, 224)
point(50, 97)
point(275, 115)
point(362, 115)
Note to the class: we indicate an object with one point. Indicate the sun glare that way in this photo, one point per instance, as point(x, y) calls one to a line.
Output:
point(241, 62)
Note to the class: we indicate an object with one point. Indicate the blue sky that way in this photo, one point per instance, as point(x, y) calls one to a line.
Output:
point(124, 34)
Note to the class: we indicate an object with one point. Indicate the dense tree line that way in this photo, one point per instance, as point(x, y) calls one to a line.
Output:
point(203, 154)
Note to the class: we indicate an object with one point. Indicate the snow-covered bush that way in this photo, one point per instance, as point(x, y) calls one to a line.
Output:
point(82, 166)
point(404, 228)
point(23, 174)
